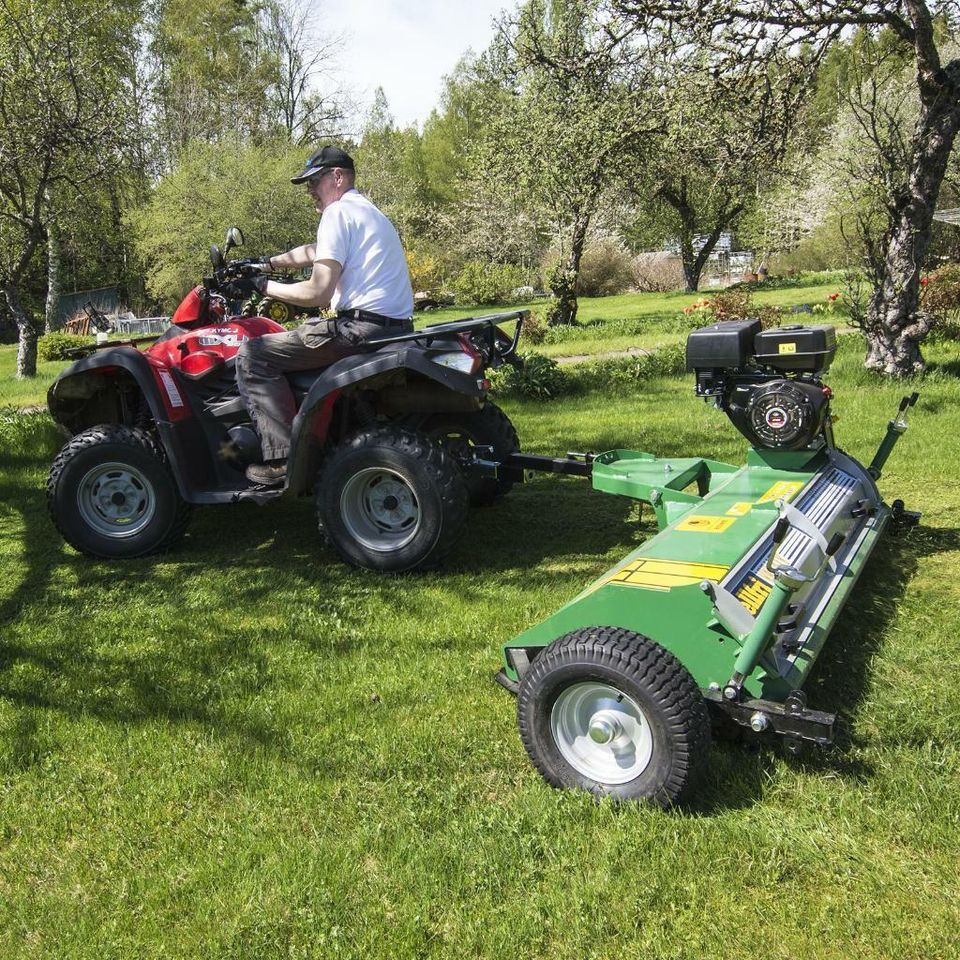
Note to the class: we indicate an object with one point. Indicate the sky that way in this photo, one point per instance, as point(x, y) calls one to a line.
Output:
point(406, 47)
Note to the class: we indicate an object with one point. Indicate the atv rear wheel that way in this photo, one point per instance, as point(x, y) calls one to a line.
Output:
point(611, 712)
point(111, 494)
point(391, 499)
point(458, 432)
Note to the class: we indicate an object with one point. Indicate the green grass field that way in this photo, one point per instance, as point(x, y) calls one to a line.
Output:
point(245, 749)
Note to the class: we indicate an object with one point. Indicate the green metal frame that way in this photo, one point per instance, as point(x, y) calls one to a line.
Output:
point(711, 517)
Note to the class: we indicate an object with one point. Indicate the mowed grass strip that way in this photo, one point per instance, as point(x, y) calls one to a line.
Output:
point(247, 749)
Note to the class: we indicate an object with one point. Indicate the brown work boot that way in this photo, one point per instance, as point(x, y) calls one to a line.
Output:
point(268, 474)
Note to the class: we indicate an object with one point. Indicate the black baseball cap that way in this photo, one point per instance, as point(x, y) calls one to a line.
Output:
point(324, 159)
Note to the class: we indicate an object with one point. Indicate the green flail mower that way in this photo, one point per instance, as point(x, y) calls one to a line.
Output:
point(721, 616)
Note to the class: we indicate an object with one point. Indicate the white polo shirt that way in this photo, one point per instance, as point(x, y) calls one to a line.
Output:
point(364, 242)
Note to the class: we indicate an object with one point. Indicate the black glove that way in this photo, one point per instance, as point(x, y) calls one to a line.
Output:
point(249, 268)
point(242, 287)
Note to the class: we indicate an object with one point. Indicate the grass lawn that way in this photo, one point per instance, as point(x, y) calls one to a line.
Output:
point(605, 324)
point(247, 749)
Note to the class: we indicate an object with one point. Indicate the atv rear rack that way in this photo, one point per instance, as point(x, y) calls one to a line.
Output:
point(487, 323)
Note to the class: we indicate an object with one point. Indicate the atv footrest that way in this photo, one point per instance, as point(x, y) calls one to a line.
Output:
point(258, 495)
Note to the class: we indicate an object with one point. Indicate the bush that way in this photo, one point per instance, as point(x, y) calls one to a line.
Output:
point(940, 296)
point(605, 269)
point(535, 329)
point(486, 283)
point(540, 378)
point(655, 273)
point(54, 346)
point(426, 271)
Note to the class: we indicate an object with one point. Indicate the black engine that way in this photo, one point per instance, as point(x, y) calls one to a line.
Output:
point(767, 381)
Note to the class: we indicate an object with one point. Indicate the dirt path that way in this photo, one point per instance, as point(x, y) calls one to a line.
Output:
point(610, 354)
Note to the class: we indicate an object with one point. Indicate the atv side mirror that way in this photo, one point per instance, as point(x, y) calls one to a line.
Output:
point(216, 258)
point(234, 239)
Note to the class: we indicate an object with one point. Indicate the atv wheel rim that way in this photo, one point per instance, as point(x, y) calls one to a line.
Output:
point(116, 500)
point(601, 732)
point(380, 510)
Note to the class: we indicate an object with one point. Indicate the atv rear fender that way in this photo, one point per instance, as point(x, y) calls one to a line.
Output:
point(126, 386)
point(392, 371)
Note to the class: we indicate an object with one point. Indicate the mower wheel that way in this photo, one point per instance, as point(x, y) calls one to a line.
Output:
point(111, 494)
point(391, 499)
point(609, 711)
point(458, 432)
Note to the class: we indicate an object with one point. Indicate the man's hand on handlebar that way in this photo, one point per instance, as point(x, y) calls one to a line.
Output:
point(249, 268)
point(242, 287)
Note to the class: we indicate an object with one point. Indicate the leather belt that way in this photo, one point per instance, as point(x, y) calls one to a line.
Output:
point(369, 317)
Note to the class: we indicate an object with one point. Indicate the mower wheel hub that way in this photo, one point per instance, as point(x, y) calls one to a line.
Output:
point(601, 732)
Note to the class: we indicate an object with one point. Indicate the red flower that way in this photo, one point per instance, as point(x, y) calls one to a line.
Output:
point(833, 296)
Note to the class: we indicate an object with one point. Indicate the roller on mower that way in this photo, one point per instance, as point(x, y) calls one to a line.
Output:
point(722, 613)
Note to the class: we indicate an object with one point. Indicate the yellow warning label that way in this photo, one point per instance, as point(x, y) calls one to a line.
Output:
point(753, 592)
point(739, 510)
point(704, 524)
point(783, 489)
point(788, 348)
point(666, 574)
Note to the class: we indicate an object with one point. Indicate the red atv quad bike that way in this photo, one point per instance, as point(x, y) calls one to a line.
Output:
point(394, 441)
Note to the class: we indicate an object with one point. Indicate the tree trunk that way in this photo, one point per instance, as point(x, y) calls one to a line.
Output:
point(27, 344)
point(52, 313)
point(563, 280)
point(895, 326)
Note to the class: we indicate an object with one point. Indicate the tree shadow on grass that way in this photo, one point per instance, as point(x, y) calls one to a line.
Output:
point(77, 673)
point(550, 529)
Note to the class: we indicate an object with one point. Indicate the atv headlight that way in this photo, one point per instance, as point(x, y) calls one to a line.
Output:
point(456, 360)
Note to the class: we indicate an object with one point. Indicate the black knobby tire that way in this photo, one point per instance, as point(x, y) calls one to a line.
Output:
point(563, 692)
point(391, 499)
point(111, 494)
point(489, 426)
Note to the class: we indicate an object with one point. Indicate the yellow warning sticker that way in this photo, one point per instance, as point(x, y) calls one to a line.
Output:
point(704, 524)
point(782, 490)
point(788, 348)
point(739, 510)
point(666, 574)
point(753, 592)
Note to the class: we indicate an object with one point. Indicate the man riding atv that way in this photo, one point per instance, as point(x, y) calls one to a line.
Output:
point(359, 270)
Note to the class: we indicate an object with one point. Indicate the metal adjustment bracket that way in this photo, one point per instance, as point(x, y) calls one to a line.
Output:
point(728, 609)
point(792, 719)
point(806, 526)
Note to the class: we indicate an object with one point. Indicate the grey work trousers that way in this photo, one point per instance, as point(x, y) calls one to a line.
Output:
point(262, 362)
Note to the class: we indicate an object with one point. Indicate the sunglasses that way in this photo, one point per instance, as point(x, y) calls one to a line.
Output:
point(317, 177)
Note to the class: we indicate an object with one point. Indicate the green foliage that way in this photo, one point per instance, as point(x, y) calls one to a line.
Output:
point(54, 346)
point(487, 283)
point(216, 186)
point(540, 378)
point(535, 330)
point(618, 373)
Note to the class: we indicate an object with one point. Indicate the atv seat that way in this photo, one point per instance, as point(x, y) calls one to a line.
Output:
point(302, 380)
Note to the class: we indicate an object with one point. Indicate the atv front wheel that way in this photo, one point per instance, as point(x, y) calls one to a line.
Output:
point(611, 712)
point(459, 432)
point(111, 494)
point(390, 499)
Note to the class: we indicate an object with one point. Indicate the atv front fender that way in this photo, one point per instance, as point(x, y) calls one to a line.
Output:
point(109, 386)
